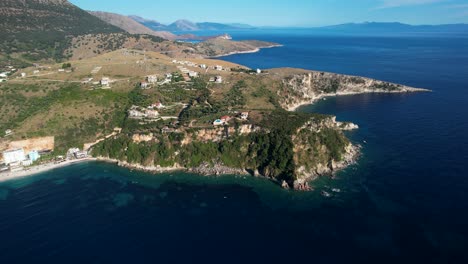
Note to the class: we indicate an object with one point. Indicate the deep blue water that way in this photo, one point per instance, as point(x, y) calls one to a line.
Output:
point(406, 201)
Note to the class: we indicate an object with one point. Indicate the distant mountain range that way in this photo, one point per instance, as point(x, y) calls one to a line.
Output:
point(395, 27)
point(186, 25)
point(138, 25)
point(130, 25)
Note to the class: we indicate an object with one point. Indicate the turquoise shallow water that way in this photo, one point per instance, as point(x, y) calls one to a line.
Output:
point(405, 201)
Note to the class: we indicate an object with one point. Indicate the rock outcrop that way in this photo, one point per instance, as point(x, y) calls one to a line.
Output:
point(217, 134)
point(321, 148)
point(217, 169)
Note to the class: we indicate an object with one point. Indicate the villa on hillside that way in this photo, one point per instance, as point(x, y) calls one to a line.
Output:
point(151, 113)
point(158, 105)
point(105, 82)
point(144, 85)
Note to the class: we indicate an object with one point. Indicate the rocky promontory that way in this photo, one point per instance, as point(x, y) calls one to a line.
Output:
point(306, 87)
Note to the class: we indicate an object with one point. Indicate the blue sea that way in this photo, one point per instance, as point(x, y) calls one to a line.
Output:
point(406, 201)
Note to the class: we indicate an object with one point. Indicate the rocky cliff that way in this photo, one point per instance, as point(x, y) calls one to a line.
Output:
point(304, 88)
point(321, 148)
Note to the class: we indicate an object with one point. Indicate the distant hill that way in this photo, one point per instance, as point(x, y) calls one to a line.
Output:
point(183, 25)
point(152, 24)
point(130, 25)
point(41, 27)
point(186, 25)
point(395, 27)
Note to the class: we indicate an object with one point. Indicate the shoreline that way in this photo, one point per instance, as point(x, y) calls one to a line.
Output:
point(245, 52)
point(201, 171)
point(312, 101)
point(37, 169)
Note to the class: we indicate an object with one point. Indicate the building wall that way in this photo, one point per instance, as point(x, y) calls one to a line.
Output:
point(13, 156)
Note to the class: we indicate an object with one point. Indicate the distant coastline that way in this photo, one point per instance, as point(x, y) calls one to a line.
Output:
point(246, 52)
point(312, 101)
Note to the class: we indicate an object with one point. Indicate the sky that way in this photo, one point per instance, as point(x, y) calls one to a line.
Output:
point(300, 13)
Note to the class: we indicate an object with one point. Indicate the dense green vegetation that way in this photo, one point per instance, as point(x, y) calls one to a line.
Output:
point(235, 98)
point(270, 151)
point(20, 103)
point(386, 86)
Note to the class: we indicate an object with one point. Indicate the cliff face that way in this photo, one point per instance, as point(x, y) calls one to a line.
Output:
point(321, 148)
point(305, 147)
point(220, 133)
point(305, 88)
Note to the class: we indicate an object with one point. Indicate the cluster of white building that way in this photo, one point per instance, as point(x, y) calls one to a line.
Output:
point(17, 159)
point(105, 82)
point(202, 66)
point(4, 75)
point(76, 153)
point(187, 72)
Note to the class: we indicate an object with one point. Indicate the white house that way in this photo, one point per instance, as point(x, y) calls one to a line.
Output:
point(203, 66)
point(193, 74)
point(152, 79)
point(218, 68)
point(151, 113)
point(259, 71)
point(14, 155)
point(143, 85)
point(157, 106)
point(219, 79)
point(105, 81)
point(81, 154)
point(8, 132)
point(135, 113)
point(23, 74)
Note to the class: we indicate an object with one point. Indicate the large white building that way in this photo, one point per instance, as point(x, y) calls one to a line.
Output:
point(14, 155)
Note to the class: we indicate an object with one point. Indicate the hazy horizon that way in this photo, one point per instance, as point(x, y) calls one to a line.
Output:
point(302, 13)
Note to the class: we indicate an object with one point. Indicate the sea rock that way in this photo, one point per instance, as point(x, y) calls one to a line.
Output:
point(285, 185)
point(302, 185)
point(217, 169)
